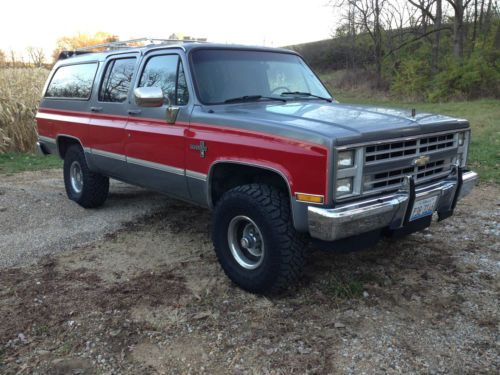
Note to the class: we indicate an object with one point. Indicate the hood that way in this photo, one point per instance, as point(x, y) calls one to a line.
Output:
point(341, 124)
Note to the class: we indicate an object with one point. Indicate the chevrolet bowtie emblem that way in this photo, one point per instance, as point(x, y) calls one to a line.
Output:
point(201, 147)
point(421, 160)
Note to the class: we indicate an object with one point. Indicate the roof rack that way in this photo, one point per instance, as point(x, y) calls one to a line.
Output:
point(123, 44)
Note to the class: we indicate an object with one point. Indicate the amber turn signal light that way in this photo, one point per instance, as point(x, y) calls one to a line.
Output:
point(311, 198)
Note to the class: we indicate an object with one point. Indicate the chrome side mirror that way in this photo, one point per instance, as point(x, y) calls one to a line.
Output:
point(149, 96)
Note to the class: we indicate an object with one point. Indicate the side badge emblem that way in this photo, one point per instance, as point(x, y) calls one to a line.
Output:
point(202, 148)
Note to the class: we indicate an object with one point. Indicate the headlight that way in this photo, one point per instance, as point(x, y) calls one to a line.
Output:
point(345, 159)
point(461, 139)
point(344, 186)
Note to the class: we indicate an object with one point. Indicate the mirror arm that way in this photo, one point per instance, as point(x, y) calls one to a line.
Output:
point(172, 112)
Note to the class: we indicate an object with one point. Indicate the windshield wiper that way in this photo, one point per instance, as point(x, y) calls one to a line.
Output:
point(301, 93)
point(252, 98)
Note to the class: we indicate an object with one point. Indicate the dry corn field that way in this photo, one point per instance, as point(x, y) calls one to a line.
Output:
point(20, 91)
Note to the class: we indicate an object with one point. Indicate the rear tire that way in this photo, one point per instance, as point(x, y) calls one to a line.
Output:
point(83, 186)
point(255, 240)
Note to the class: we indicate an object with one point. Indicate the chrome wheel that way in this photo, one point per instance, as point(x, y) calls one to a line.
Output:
point(76, 177)
point(245, 242)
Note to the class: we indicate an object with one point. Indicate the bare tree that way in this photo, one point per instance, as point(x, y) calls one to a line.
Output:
point(486, 14)
point(431, 10)
point(15, 59)
point(438, 19)
point(399, 21)
point(351, 24)
point(348, 29)
point(2, 58)
point(367, 17)
point(459, 7)
point(377, 38)
point(425, 7)
point(36, 56)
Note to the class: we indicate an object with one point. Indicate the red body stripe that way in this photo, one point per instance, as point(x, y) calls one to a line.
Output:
point(304, 164)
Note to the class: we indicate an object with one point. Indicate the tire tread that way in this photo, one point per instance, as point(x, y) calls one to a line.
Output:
point(291, 244)
point(95, 186)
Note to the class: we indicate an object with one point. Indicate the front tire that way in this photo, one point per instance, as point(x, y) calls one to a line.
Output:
point(255, 240)
point(83, 186)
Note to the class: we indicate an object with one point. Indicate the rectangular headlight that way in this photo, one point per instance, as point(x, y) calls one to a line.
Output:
point(344, 186)
point(461, 138)
point(345, 159)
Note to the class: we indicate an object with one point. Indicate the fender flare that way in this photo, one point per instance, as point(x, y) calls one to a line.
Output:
point(85, 149)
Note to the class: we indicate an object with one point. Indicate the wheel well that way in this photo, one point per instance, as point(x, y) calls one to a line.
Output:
point(64, 143)
point(226, 176)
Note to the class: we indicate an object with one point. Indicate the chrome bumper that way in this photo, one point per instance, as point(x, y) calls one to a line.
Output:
point(390, 211)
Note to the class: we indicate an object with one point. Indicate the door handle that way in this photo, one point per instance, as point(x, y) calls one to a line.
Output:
point(95, 109)
point(134, 111)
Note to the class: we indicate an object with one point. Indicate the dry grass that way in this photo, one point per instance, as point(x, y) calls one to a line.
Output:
point(20, 91)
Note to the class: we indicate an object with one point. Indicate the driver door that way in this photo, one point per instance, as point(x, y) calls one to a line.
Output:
point(155, 148)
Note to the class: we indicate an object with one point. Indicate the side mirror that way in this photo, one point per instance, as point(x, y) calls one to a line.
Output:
point(149, 96)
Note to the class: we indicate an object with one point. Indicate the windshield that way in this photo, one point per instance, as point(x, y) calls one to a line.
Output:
point(225, 75)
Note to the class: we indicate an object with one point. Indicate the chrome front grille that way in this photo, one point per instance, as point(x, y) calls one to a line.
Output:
point(386, 164)
point(403, 149)
point(394, 177)
point(380, 167)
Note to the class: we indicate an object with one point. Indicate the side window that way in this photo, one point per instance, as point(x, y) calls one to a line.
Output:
point(72, 81)
point(166, 72)
point(116, 81)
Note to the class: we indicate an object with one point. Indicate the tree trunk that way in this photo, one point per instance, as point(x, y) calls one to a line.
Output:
point(437, 38)
point(474, 31)
point(458, 30)
point(352, 36)
point(481, 15)
point(378, 44)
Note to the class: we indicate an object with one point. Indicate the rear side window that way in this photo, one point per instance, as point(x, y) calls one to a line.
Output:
point(166, 72)
point(117, 79)
point(72, 81)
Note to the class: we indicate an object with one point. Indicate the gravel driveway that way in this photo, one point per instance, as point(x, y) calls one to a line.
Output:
point(37, 219)
point(151, 298)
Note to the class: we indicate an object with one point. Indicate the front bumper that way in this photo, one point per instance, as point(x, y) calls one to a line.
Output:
point(391, 211)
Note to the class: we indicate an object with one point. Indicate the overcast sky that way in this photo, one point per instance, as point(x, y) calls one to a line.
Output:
point(276, 23)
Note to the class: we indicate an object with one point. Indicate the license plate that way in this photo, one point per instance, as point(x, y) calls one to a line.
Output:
point(423, 207)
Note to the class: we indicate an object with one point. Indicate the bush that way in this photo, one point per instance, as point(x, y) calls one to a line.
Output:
point(476, 77)
point(412, 78)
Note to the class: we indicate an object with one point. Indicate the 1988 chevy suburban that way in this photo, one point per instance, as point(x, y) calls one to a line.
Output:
point(254, 135)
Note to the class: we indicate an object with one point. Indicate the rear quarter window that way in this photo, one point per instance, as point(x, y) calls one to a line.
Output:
point(117, 79)
point(72, 81)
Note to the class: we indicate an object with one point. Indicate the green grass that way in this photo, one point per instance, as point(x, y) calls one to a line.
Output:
point(484, 118)
point(18, 162)
point(338, 287)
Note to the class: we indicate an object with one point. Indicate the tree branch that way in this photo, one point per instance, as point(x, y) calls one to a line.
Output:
point(415, 39)
point(423, 9)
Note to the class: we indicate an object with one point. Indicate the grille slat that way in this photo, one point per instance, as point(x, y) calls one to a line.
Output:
point(405, 149)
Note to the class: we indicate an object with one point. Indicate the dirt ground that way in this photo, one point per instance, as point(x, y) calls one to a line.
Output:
point(36, 219)
point(150, 298)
